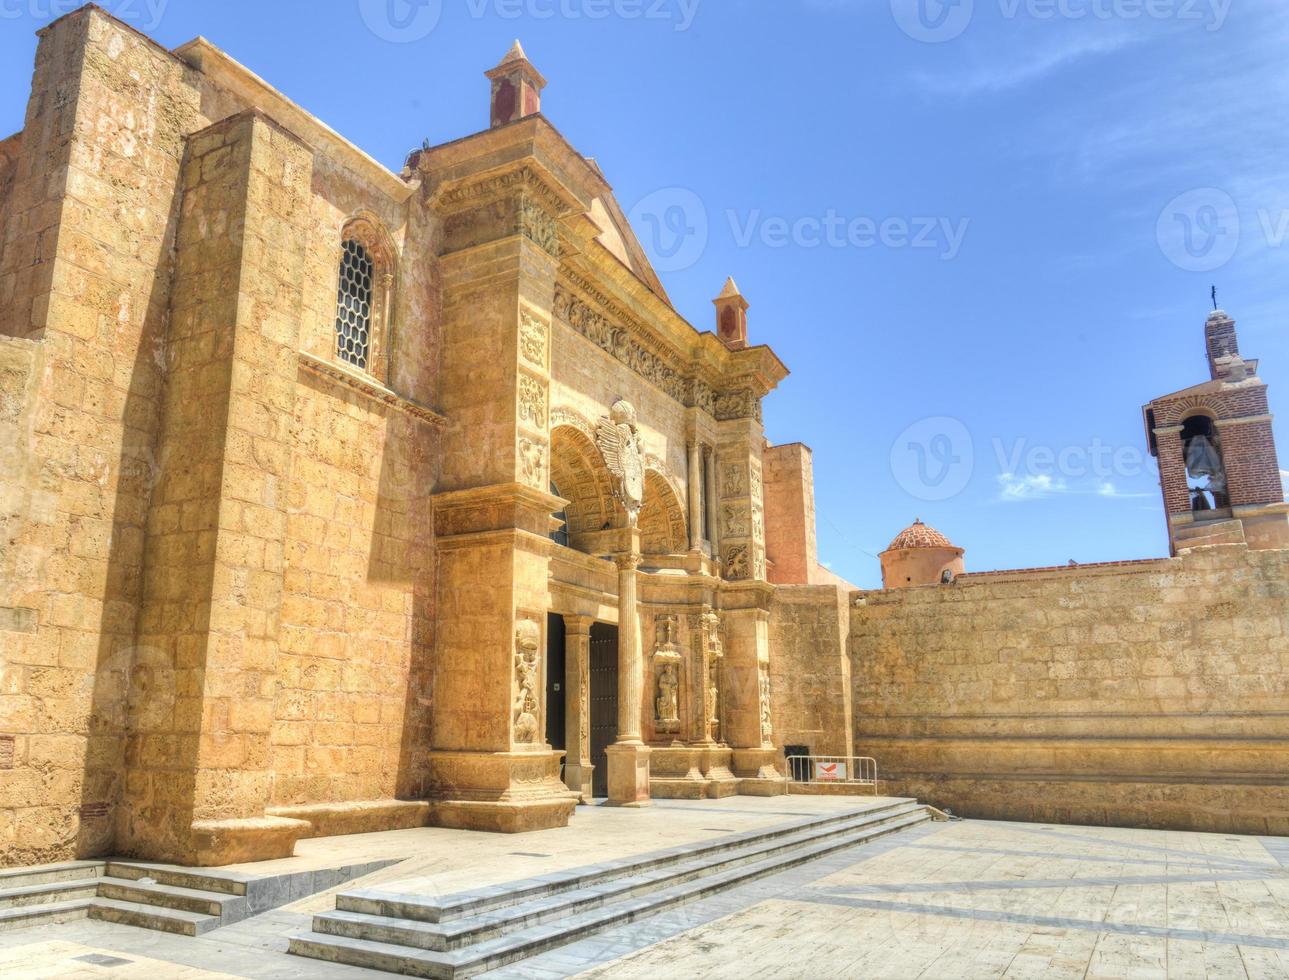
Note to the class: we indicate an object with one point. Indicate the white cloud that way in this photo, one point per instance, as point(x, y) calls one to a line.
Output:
point(1284, 482)
point(1031, 487)
point(1013, 488)
point(998, 72)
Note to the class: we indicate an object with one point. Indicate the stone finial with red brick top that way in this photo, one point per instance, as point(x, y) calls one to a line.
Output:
point(516, 88)
point(731, 316)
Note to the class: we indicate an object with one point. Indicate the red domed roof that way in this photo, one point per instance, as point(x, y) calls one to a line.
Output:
point(919, 535)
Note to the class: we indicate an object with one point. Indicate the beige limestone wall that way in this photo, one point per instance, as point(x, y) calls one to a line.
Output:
point(1151, 694)
point(351, 710)
point(85, 268)
point(810, 668)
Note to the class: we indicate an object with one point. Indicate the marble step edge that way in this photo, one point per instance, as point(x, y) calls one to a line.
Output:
point(496, 953)
point(154, 917)
point(42, 873)
point(442, 909)
point(456, 933)
point(228, 882)
point(25, 916)
point(166, 896)
point(48, 892)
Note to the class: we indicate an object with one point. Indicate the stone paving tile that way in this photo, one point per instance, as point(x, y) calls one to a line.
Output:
point(968, 899)
point(983, 899)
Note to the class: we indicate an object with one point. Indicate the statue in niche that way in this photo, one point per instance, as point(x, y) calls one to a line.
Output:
point(668, 705)
point(528, 637)
point(618, 438)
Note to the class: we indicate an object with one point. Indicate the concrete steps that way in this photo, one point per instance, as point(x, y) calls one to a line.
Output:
point(186, 903)
point(466, 934)
point(163, 897)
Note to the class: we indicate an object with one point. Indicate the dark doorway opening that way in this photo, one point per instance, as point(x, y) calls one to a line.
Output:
point(555, 693)
point(604, 702)
point(798, 764)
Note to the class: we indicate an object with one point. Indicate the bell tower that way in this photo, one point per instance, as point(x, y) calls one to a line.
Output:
point(516, 88)
point(1218, 468)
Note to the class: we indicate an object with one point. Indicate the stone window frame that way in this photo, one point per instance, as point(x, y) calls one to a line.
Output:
point(367, 230)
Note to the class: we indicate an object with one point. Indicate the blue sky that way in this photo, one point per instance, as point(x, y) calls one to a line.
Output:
point(1002, 216)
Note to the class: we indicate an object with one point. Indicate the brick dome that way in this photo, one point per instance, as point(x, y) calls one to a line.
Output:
point(919, 535)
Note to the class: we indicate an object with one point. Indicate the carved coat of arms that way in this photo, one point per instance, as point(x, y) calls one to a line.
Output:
point(619, 440)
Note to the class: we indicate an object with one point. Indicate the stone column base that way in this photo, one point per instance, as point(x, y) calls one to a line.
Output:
point(501, 792)
point(578, 780)
point(218, 842)
point(628, 775)
point(757, 773)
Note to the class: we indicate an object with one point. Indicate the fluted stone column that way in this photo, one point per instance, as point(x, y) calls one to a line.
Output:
point(695, 497)
point(629, 757)
point(577, 705)
point(713, 495)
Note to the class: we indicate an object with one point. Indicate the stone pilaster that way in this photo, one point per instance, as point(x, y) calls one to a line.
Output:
point(577, 705)
point(740, 488)
point(199, 762)
point(501, 206)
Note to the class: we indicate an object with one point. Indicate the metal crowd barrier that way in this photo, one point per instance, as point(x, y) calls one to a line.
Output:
point(853, 769)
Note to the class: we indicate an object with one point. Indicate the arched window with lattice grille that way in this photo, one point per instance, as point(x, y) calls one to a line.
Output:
point(364, 297)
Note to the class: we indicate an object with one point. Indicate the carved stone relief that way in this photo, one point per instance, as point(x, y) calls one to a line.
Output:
point(532, 464)
point(537, 225)
point(618, 438)
point(736, 524)
point(528, 638)
point(532, 402)
point(767, 730)
point(533, 339)
point(738, 562)
point(734, 481)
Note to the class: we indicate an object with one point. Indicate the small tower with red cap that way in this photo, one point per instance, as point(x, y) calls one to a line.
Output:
point(731, 316)
point(516, 88)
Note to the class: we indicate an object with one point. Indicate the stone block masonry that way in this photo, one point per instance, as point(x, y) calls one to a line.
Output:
point(1151, 694)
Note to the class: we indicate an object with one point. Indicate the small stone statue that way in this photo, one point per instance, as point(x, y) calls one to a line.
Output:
point(668, 707)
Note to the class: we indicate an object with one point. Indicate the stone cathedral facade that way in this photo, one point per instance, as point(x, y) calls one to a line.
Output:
point(334, 499)
point(327, 483)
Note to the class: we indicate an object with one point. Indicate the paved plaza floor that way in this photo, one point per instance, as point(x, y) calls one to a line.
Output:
point(961, 899)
